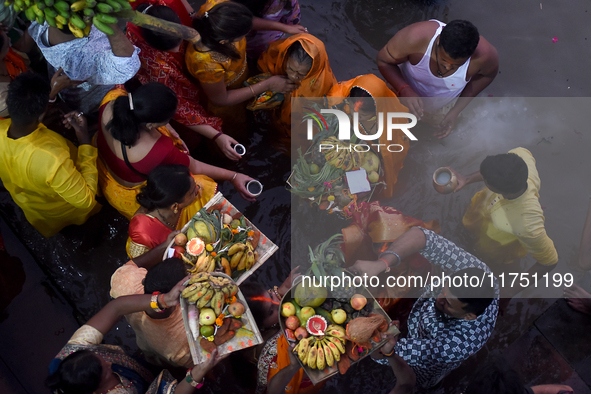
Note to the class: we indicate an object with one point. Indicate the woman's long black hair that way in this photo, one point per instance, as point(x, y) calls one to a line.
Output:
point(152, 103)
point(166, 185)
point(224, 22)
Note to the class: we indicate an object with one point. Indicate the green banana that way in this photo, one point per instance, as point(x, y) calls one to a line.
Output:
point(60, 5)
point(37, 11)
point(30, 14)
point(124, 4)
point(88, 12)
point(116, 6)
point(40, 19)
point(108, 19)
point(77, 21)
point(104, 8)
point(50, 13)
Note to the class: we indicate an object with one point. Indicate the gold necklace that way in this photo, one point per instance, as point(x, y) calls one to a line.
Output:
point(166, 221)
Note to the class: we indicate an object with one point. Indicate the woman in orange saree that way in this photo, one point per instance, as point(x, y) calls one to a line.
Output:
point(304, 60)
point(385, 101)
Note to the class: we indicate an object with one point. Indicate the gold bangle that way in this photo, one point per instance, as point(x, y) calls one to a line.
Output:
point(252, 90)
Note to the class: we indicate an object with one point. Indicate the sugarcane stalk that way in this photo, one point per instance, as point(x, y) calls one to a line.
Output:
point(159, 25)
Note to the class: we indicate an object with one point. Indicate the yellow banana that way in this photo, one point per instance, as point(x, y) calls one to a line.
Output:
point(205, 299)
point(238, 247)
point(242, 263)
point(236, 259)
point(335, 331)
point(320, 360)
point(312, 355)
point(217, 302)
point(337, 342)
point(211, 266)
point(77, 32)
point(327, 354)
point(190, 289)
point(200, 277)
point(303, 349)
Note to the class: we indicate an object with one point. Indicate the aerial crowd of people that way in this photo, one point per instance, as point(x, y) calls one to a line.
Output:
point(133, 98)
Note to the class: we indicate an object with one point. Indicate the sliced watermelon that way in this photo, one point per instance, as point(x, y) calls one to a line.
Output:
point(195, 246)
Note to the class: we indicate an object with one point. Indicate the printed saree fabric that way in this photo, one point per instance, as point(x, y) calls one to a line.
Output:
point(168, 69)
point(317, 83)
point(274, 357)
point(392, 162)
point(135, 378)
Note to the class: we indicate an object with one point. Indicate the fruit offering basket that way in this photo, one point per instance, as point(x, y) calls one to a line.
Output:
point(220, 238)
point(324, 172)
point(325, 330)
point(216, 315)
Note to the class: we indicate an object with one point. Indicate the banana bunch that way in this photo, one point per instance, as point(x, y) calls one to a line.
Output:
point(242, 256)
point(205, 263)
point(78, 15)
point(318, 353)
point(343, 155)
point(207, 291)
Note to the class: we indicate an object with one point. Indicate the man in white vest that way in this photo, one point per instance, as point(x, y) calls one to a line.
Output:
point(436, 69)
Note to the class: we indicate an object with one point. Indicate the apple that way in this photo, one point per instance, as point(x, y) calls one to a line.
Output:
point(339, 316)
point(301, 333)
point(307, 312)
point(358, 302)
point(287, 309)
point(207, 317)
point(179, 250)
point(292, 322)
point(236, 309)
point(180, 239)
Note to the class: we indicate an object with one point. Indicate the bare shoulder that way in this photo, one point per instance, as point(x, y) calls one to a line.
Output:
point(409, 43)
point(486, 55)
point(416, 36)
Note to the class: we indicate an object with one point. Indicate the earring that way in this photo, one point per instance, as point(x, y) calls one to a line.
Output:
point(176, 211)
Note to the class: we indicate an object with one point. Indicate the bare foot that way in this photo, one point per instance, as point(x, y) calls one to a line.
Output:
point(578, 299)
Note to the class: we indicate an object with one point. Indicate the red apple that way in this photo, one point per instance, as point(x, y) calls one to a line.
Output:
point(301, 333)
point(358, 302)
point(236, 309)
point(179, 250)
point(292, 322)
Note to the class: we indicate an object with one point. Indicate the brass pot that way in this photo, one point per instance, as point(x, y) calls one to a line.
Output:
point(444, 180)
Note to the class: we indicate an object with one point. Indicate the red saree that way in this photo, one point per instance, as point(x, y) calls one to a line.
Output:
point(168, 69)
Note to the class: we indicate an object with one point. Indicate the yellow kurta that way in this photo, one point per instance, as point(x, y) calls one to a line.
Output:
point(53, 182)
point(161, 340)
point(507, 230)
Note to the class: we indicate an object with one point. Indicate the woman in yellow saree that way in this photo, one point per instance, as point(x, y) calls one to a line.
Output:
point(371, 86)
point(304, 60)
point(218, 62)
point(134, 137)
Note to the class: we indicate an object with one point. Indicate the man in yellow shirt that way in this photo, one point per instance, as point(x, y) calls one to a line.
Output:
point(53, 182)
point(506, 215)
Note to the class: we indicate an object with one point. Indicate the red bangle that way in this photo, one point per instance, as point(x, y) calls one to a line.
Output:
point(216, 136)
point(387, 264)
point(401, 89)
